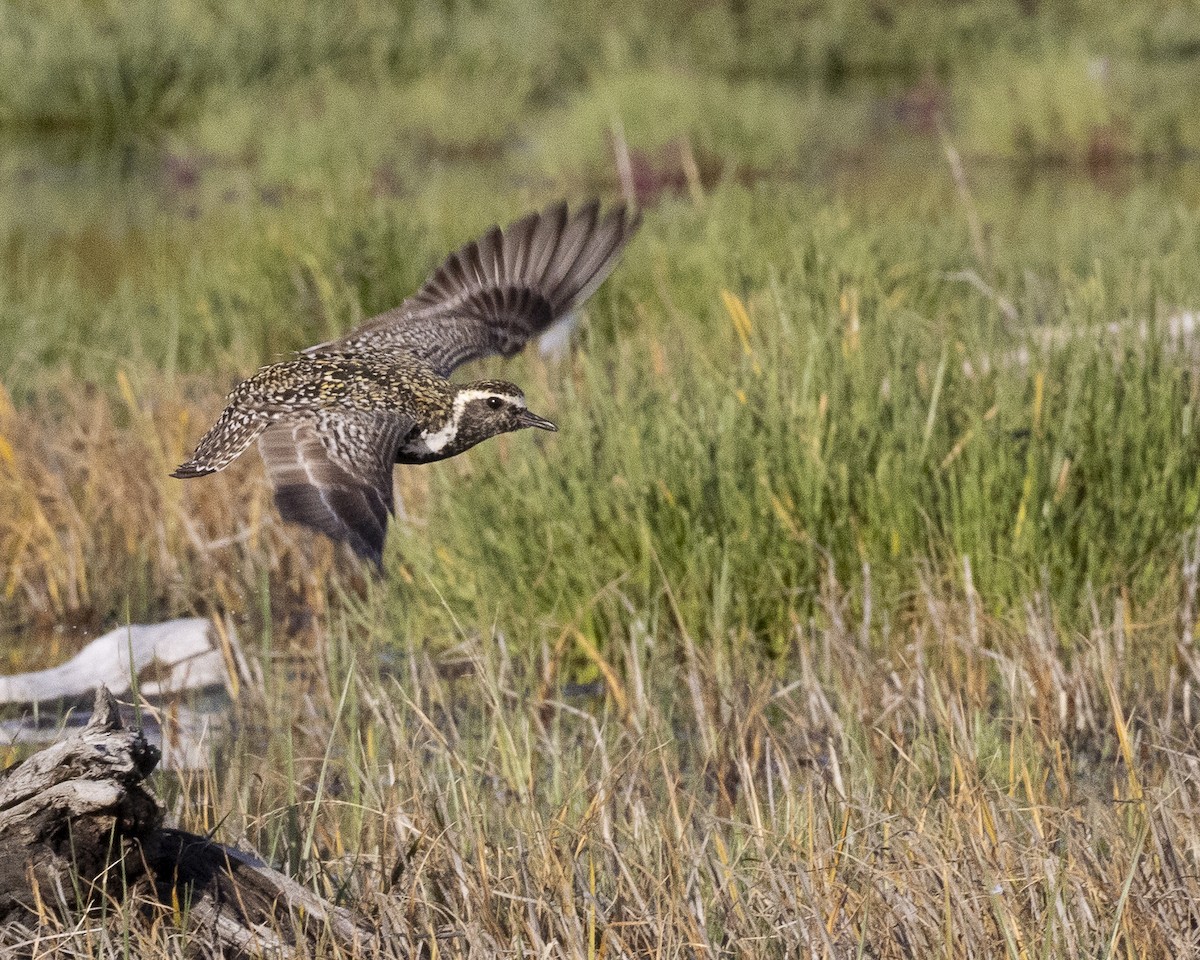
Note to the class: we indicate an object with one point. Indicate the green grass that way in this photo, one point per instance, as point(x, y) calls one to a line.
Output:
point(850, 425)
point(739, 471)
point(730, 127)
point(119, 70)
point(1078, 106)
point(1079, 80)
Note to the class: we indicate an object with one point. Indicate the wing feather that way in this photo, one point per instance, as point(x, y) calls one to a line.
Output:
point(543, 244)
point(572, 247)
point(333, 472)
point(498, 292)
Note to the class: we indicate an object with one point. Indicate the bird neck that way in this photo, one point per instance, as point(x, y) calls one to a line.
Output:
point(440, 436)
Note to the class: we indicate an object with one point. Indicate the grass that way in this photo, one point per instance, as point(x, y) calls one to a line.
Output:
point(882, 654)
point(1083, 81)
point(731, 128)
point(1076, 107)
point(771, 385)
point(119, 70)
point(981, 791)
point(827, 623)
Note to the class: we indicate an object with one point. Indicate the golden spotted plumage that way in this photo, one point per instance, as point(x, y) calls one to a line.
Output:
point(331, 422)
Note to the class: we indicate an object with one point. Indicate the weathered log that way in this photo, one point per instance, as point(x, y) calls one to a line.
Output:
point(236, 900)
point(76, 820)
point(72, 812)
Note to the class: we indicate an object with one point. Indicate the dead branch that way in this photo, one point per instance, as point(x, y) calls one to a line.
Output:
point(78, 823)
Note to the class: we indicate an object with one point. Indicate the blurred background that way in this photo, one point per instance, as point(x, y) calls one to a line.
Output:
point(118, 116)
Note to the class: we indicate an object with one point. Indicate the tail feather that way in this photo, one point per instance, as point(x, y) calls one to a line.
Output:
point(228, 439)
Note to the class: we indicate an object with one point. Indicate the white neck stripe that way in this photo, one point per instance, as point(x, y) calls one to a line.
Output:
point(437, 440)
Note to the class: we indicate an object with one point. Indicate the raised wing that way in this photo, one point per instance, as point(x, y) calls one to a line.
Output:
point(500, 291)
point(333, 472)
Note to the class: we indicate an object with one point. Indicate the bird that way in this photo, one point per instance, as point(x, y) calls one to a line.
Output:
point(332, 421)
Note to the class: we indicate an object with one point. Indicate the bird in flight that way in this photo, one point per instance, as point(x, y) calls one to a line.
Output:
point(332, 421)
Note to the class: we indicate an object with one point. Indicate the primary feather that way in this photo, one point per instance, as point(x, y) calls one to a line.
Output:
point(498, 292)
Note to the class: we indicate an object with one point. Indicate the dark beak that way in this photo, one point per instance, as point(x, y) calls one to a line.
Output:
point(528, 419)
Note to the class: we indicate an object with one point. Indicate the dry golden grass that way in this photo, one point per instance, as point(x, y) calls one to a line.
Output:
point(978, 793)
point(93, 517)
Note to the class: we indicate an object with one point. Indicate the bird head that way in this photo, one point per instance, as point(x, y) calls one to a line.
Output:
point(489, 407)
point(495, 406)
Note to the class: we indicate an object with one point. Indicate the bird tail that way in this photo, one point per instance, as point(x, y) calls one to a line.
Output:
point(228, 439)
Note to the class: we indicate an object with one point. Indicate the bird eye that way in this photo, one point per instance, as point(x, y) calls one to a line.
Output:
point(495, 403)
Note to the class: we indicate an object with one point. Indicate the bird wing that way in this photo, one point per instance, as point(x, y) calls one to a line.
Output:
point(333, 471)
point(500, 291)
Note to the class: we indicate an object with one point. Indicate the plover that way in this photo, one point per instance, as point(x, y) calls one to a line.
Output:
point(331, 422)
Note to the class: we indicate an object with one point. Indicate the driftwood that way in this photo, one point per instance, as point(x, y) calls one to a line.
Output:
point(75, 810)
point(168, 661)
point(165, 658)
point(77, 822)
point(237, 901)
point(1179, 332)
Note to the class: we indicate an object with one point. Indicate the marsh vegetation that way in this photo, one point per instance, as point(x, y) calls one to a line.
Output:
point(852, 609)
